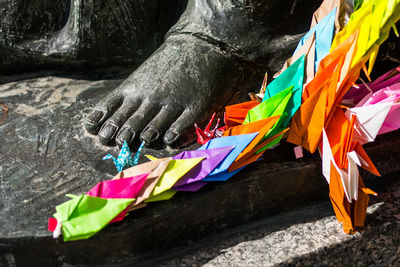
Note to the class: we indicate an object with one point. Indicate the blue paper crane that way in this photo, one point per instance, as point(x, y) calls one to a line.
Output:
point(124, 159)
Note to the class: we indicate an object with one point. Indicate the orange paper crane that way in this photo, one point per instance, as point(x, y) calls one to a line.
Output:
point(260, 126)
point(351, 215)
point(235, 114)
point(341, 155)
point(321, 94)
point(340, 133)
point(255, 153)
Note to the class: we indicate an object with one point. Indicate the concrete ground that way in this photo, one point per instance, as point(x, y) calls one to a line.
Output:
point(308, 236)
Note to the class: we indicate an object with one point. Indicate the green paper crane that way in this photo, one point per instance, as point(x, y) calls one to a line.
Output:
point(274, 106)
point(83, 216)
point(282, 97)
point(293, 77)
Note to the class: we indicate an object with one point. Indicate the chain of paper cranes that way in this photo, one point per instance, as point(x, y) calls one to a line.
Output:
point(313, 102)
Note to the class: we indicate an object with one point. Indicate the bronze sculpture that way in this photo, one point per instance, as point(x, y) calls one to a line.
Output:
point(216, 50)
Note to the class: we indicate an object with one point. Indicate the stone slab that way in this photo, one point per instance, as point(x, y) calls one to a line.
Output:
point(45, 153)
point(307, 236)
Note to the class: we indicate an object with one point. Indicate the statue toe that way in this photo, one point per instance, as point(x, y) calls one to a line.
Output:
point(161, 122)
point(101, 112)
point(176, 130)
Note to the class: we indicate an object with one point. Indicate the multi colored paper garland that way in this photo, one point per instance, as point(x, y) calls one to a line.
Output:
point(314, 102)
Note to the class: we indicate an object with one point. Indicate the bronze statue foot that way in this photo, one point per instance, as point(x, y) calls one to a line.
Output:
point(212, 54)
point(184, 79)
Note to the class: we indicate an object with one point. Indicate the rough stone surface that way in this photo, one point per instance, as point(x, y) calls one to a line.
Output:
point(306, 237)
point(45, 153)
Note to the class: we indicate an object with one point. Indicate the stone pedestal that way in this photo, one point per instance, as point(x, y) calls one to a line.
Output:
point(45, 154)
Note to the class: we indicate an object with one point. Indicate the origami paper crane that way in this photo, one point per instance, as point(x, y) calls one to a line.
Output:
point(323, 37)
point(83, 216)
point(308, 51)
point(212, 157)
point(342, 152)
point(369, 120)
point(235, 114)
point(274, 106)
point(155, 169)
point(373, 20)
point(119, 188)
point(252, 127)
point(176, 169)
point(240, 142)
point(166, 195)
point(389, 95)
point(388, 79)
point(352, 215)
point(340, 132)
point(291, 77)
point(261, 127)
point(124, 159)
point(206, 135)
point(321, 95)
point(344, 10)
point(147, 167)
point(361, 93)
point(348, 194)
point(349, 178)
point(256, 152)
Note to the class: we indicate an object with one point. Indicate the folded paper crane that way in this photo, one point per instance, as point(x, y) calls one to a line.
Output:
point(83, 216)
point(277, 105)
point(235, 114)
point(292, 77)
point(347, 192)
point(360, 93)
point(261, 127)
point(175, 170)
point(323, 37)
point(203, 136)
point(124, 159)
point(119, 188)
point(212, 157)
point(240, 142)
point(369, 120)
point(155, 169)
point(388, 97)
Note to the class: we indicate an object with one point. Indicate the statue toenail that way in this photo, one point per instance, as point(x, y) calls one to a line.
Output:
point(171, 136)
point(126, 134)
point(107, 132)
point(94, 117)
point(149, 134)
point(92, 121)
